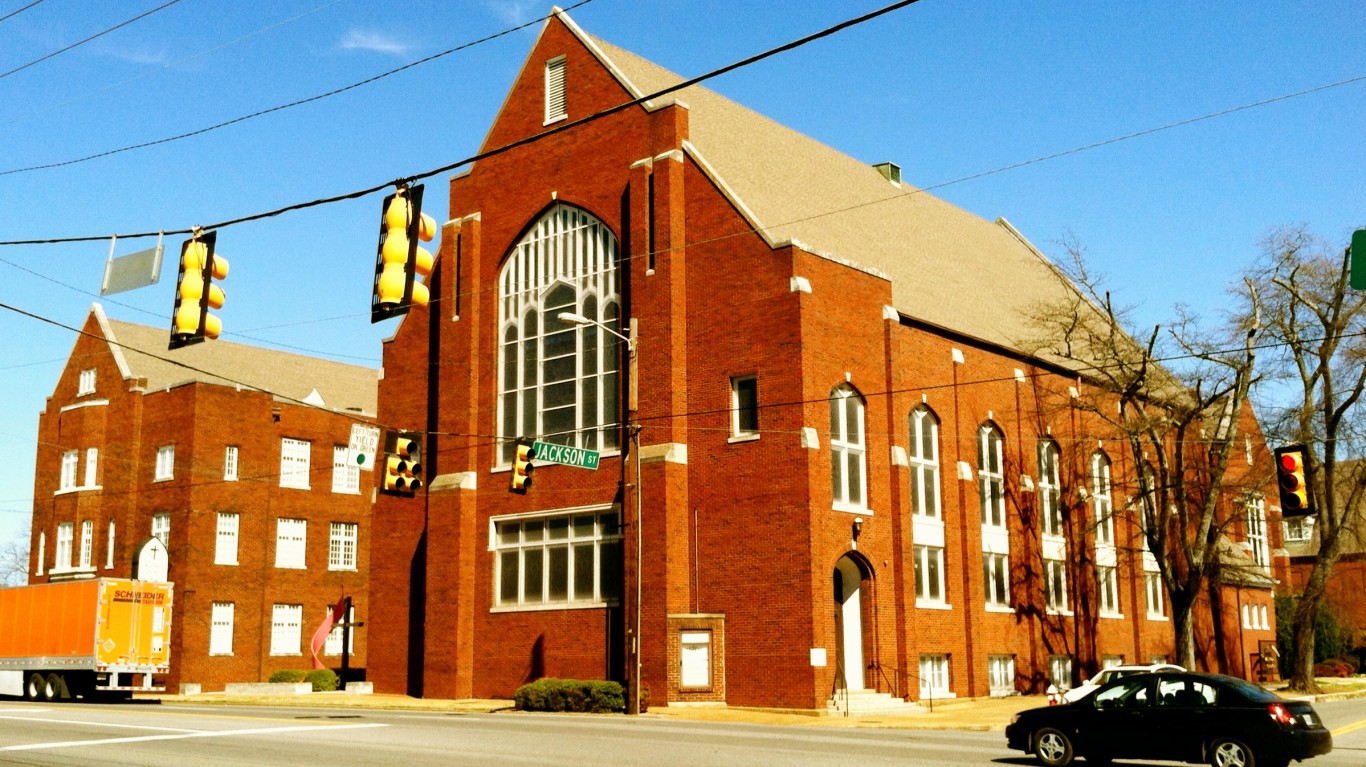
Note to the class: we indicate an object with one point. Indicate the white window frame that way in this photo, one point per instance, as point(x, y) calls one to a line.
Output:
point(934, 677)
point(556, 92)
point(744, 408)
point(991, 484)
point(87, 544)
point(333, 646)
point(230, 455)
point(694, 660)
point(1254, 516)
point(848, 450)
point(1102, 502)
point(92, 464)
point(295, 462)
point(70, 465)
point(929, 576)
point(1299, 529)
point(345, 472)
point(109, 547)
point(165, 466)
point(1001, 675)
point(286, 629)
point(528, 547)
point(221, 618)
point(1156, 595)
point(86, 385)
point(291, 543)
point(923, 457)
point(343, 538)
point(996, 580)
point(42, 552)
point(1056, 600)
point(65, 532)
point(1050, 489)
point(161, 528)
point(226, 538)
point(1107, 591)
point(1060, 671)
point(566, 262)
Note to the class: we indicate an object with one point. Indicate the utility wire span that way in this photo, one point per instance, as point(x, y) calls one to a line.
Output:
point(279, 107)
point(14, 13)
point(95, 36)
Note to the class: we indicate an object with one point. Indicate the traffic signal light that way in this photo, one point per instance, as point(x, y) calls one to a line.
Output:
point(1294, 487)
point(521, 467)
point(400, 260)
point(402, 464)
point(195, 292)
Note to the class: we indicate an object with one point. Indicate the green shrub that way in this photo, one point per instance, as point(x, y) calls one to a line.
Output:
point(583, 696)
point(322, 679)
point(288, 675)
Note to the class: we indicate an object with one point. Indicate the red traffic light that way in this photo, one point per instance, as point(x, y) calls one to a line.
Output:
point(1293, 485)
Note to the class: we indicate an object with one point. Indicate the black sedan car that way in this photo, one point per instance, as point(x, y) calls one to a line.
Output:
point(1185, 717)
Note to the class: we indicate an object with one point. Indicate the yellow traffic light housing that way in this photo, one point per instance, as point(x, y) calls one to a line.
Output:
point(402, 464)
point(1291, 462)
point(521, 467)
point(400, 260)
point(196, 294)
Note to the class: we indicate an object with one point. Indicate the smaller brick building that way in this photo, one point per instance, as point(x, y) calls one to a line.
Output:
point(1347, 582)
point(234, 456)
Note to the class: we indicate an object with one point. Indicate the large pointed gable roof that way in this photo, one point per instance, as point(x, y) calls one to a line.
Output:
point(948, 268)
point(142, 354)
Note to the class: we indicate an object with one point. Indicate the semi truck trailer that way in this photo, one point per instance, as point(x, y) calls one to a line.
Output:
point(94, 638)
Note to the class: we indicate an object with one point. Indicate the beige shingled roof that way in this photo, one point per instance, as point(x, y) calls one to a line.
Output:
point(333, 385)
point(948, 267)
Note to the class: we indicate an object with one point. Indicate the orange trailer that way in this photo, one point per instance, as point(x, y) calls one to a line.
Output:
point(99, 637)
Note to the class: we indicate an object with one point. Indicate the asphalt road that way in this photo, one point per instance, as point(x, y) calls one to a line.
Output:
point(151, 735)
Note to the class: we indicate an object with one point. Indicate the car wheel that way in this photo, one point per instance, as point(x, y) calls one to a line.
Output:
point(1227, 752)
point(1052, 747)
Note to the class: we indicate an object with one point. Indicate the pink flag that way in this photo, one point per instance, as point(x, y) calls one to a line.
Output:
point(334, 616)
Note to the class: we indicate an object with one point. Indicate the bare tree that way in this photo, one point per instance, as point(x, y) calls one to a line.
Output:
point(13, 564)
point(1317, 326)
point(1176, 399)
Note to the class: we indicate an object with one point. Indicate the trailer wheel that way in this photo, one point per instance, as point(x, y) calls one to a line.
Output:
point(36, 689)
point(56, 688)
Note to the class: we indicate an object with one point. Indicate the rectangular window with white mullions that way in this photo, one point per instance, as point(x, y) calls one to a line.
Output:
point(286, 629)
point(1102, 504)
point(87, 383)
point(744, 407)
point(1001, 674)
point(1157, 608)
point(848, 450)
point(230, 463)
point(1255, 519)
point(294, 463)
point(1050, 488)
point(1107, 586)
point(1055, 585)
point(1060, 671)
point(929, 575)
point(996, 579)
point(345, 472)
point(225, 546)
point(334, 637)
point(341, 547)
point(220, 628)
point(165, 468)
point(65, 530)
point(1299, 529)
point(991, 476)
point(87, 543)
point(291, 537)
point(924, 463)
point(561, 560)
point(92, 463)
point(161, 528)
point(934, 676)
point(70, 462)
point(555, 100)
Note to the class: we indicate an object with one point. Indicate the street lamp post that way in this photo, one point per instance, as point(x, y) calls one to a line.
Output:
point(632, 388)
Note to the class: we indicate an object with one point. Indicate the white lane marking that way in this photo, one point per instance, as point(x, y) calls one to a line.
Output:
point(24, 710)
point(97, 724)
point(193, 734)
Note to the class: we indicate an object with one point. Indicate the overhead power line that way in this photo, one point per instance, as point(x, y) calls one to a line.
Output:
point(95, 36)
point(12, 14)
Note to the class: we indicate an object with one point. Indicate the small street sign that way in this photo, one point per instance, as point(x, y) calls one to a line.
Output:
point(566, 456)
point(364, 444)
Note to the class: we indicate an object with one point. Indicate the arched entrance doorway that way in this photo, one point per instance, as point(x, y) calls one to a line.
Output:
point(848, 593)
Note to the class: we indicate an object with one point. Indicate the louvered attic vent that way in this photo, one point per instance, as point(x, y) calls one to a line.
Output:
point(554, 90)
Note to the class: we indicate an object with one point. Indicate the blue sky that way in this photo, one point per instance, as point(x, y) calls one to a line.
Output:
point(948, 90)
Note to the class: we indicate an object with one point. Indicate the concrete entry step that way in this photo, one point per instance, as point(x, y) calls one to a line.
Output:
point(869, 702)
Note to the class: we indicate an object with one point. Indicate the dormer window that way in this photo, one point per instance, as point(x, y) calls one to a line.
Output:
point(555, 109)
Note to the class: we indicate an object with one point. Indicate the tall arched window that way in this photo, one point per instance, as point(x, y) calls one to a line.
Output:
point(991, 475)
point(1050, 488)
point(1101, 503)
point(924, 460)
point(558, 382)
point(848, 469)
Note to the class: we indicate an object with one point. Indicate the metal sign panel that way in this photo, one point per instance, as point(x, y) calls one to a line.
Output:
point(566, 456)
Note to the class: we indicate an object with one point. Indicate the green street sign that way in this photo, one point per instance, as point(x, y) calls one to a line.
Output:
point(566, 456)
point(1358, 277)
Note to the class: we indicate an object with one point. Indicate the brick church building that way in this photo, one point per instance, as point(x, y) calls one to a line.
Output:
point(232, 455)
point(829, 467)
